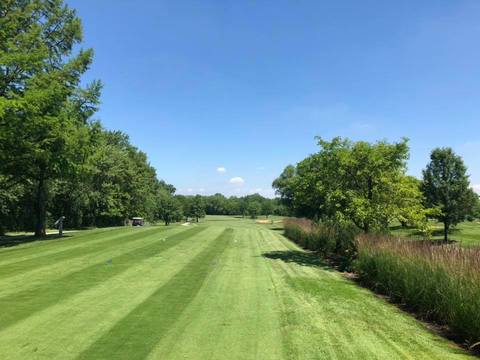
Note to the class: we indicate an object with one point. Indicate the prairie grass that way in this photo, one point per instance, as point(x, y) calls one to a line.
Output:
point(332, 240)
point(440, 282)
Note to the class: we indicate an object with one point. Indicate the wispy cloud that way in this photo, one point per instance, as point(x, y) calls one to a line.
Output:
point(221, 170)
point(237, 180)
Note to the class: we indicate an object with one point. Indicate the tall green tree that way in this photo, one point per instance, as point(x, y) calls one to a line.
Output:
point(169, 208)
point(216, 205)
point(446, 186)
point(268, 207)
point(197, 209)
point(369, 180)
point(284, 186)
point(360, 182)
point(39, 78)
point(254, 209)
point(121, 182)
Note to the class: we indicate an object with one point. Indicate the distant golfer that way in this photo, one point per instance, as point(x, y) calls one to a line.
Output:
point(59, 223)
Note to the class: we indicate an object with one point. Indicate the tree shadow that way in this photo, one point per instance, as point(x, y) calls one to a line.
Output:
point(298, 257)
point(277, 228)
point(15, 240)
point(400, 227)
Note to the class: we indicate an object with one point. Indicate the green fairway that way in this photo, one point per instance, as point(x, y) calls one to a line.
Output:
point(466, 233)
point(228, 288)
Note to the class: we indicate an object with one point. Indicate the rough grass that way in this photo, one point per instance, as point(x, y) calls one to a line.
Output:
point(331, 240)
point(441, 282)
point(226, 289)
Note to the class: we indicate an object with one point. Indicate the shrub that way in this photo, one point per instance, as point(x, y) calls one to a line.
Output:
point(329, 239)
point(440, 282)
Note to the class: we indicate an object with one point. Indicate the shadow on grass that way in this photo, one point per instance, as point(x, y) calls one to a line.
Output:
point(277, 228)
point(298, 257)
point(15, 240)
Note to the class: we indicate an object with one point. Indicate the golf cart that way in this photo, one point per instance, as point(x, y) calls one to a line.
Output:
point(137, 221)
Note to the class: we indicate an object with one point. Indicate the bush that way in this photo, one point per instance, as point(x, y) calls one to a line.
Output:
point(329, 239)
point(440, 282)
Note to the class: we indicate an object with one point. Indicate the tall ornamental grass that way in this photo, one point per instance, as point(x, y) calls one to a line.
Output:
point(440, 282)
point(331, 240)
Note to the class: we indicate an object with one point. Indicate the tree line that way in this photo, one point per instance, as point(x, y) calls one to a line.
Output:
point(54, 158)
point(366, 184)
point(180, 207)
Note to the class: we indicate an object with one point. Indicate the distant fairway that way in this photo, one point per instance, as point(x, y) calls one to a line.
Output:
point(466, 233)
point(225, 289)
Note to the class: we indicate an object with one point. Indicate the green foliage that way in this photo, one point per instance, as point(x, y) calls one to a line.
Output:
point(268, 208)
point(53, 160)
point(254, 208)
point(193, 206)
point(169, 208)
point(251, 205)
point(39, 88)
point(440, 282)
point(353, 181)
point(285, 186)
point(447, 188)
point(475, 208)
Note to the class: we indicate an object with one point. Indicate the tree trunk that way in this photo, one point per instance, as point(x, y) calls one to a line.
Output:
point(366, 228)
point(40, 208)
point(446, 226)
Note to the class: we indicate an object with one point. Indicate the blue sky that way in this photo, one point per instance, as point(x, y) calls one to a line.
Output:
point(246, 85)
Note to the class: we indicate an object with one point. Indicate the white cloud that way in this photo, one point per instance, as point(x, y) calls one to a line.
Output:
point(189, 190)
point(237, 181)
point(221, 170)
point(476, 188)
point(201, 190)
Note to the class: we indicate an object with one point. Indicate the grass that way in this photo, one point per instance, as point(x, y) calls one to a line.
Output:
point(226, 288)
point(466, 233)
point(440, 282)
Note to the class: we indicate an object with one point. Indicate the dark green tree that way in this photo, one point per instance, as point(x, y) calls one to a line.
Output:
point(268, 207)
point(216, 205)
point(169, 208)
point(446, 186)
point(39, 79)
point(254, 209)
point(197, 210)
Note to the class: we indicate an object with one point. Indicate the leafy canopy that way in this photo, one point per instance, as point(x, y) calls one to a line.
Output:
point(361, 182)
point(446, 187)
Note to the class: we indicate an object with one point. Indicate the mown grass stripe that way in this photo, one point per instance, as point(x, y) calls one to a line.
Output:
point(35, 247)
point(21, 305)
point(82, 319)
point(235, 312)
point(50, 272)
point(37, 250)
point(67, 254)
point(136, 335)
